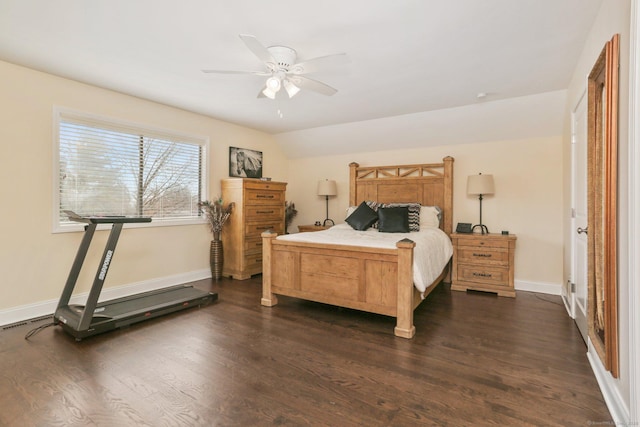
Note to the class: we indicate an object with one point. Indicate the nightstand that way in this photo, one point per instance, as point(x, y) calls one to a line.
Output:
point(484, 263)
point(311, 227)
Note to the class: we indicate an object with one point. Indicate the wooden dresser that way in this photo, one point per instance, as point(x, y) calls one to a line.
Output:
point(484, 263)
point(259, 207)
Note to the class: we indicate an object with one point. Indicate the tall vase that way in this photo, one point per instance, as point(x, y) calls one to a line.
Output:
point(216, 259)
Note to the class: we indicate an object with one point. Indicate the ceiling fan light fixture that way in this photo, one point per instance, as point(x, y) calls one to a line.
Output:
point(291, 89)
point(269, 93)
point(274, 83)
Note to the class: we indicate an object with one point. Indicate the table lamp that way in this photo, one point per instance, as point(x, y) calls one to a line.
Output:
point(327, 188)
point(480, 185)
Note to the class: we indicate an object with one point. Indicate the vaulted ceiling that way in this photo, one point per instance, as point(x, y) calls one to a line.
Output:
point(405, 56)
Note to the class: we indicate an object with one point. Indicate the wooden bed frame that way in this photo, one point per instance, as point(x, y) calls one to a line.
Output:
point(369, 279)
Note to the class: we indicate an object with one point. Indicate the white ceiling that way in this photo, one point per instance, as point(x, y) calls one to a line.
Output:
point(406, 56)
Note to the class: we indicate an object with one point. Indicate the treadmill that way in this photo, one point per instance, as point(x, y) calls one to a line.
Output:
point(98, 317)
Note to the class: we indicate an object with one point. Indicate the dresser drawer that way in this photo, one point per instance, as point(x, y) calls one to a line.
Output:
point(265, 213)
point(253, 262)
point(264, 197)
point(253, 245)
point(483, 255)
point(488, 275)
point(255, 229)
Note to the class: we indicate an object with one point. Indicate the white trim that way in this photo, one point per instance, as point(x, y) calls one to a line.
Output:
point(45, 308)
point(612, 398)
point(634, 213)
point(539, 287)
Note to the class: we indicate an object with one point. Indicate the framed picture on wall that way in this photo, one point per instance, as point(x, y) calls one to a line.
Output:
point(245, 163)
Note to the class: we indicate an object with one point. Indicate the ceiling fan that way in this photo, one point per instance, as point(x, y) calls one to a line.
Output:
point(282, 70)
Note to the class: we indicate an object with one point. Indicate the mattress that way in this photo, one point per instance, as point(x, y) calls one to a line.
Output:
point(431, 254)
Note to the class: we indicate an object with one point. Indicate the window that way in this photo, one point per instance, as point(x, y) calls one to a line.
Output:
point(111, 168)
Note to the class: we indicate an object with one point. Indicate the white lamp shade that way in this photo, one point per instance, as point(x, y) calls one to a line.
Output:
point(327, 187)
point(480, 184)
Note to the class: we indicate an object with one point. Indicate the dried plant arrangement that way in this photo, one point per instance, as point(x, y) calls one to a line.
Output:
point(290, 213)
point(216, 214)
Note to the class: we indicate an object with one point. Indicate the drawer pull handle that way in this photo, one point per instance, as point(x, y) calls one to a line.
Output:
point(266, 227)
point(482, 255)
point(488, 275)
point(258, 260)
point(264, 212)
point(264, 196)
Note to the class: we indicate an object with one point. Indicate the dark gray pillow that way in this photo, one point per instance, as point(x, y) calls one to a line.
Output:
point(393, 220)
point(362, 217)
point(414, 213)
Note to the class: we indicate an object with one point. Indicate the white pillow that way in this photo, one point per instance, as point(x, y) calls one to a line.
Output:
point(350, 210)
point(429, 216)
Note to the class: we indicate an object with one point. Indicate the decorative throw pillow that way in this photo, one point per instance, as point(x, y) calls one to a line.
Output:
point(414, 213)
point(362, 217)
point(393, 220)
point(430, 217)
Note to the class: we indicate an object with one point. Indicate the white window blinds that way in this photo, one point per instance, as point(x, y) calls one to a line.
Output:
point(106, 169)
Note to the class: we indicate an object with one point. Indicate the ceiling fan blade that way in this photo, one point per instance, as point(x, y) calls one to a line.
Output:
point(313, 85)
point(258, 50)
point(314, 64)
point(257, 73)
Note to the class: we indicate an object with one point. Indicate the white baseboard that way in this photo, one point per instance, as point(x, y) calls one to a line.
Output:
point(542, 288)
point(45, 308)
point(616, 405)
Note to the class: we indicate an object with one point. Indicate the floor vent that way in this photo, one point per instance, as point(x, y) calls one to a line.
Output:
point(48, 317)
point(13, 325)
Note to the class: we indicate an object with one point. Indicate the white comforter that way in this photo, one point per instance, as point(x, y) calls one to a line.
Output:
point(432, 252)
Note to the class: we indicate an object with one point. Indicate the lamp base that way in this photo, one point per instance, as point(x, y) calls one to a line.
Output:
point(483, 228)
point(324, 223)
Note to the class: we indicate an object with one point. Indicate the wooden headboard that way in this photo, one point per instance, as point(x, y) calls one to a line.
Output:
point(428, 184)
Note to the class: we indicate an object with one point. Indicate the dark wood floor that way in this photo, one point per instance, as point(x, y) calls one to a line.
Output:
point(476, 360)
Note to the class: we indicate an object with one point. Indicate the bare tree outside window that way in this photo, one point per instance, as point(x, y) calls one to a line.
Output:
point(107, 172)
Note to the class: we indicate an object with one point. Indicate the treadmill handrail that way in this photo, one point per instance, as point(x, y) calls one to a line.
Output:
point(105, 219)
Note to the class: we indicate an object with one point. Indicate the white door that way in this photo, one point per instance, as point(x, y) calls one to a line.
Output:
point(575, 292)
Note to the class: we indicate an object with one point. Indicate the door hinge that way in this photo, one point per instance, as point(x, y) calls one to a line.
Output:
point(573, 212)
point(573, 287)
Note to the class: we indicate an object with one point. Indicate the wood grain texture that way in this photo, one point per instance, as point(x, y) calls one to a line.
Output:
point(476, 359)
point(352, 276)
point(484, 262)
point(259, 206)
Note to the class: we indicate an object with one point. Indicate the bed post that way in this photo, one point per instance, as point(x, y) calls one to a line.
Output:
point(404, 319)
point(448, 194)
point(353, 167)
point(448, 205)
point(268, 298)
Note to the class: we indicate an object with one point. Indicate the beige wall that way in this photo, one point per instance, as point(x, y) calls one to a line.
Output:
point(612, 18)
point(527, 201)
point(34, 262)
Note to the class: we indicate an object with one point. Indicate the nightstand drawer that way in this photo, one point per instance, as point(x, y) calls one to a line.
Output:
point(489, 275)
point(264, 197)
point(483, 255)
point(482, 242)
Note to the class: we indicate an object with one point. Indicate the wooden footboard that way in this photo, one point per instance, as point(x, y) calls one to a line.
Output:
point(368, 279)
